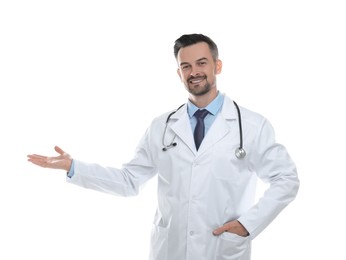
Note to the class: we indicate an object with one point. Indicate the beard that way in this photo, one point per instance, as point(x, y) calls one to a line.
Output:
point(198, 89)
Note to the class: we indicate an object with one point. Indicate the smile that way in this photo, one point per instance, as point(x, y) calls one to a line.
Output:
point(196, 80)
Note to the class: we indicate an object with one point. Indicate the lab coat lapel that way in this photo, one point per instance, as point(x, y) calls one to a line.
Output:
point(220, 127)
point(182, 128)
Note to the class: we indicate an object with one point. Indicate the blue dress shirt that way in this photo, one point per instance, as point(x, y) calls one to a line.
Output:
point(214, 107)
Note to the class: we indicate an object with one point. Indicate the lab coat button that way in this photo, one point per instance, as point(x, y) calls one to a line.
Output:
point(191, 233)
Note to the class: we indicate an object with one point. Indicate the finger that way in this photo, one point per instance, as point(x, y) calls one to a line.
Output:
point(36, 156)
point(40, 159)
point(39, 163)
point(219, 230)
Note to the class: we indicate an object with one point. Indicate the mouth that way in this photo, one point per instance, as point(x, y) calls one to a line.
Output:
point(196, 80)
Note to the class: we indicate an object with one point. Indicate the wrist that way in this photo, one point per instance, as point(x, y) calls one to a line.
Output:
point(242, 231)
point(67, 165)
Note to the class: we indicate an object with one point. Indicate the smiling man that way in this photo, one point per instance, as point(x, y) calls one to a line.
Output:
point(206, 190)
point(198, 68)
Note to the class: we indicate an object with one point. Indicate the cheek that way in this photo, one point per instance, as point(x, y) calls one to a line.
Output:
point(181, 75)
point(184, 77)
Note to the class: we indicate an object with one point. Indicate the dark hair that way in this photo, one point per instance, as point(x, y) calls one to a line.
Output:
point(190, 39)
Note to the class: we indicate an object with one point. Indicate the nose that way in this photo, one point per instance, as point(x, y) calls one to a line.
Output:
point(194, 71)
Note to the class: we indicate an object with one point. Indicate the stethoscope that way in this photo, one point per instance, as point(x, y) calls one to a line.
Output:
point(239, 151)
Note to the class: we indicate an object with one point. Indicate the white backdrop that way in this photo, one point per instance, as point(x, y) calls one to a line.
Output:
point(71, 73)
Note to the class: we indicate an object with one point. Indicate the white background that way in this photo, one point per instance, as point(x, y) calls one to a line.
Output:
point(73, 72)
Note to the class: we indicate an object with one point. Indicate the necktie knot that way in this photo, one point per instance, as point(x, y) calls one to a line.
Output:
point(201, 113)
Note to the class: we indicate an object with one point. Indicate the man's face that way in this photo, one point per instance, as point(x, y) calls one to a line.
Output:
point(197, 69)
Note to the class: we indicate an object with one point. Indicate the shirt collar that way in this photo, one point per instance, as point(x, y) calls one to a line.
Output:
point(213, 107)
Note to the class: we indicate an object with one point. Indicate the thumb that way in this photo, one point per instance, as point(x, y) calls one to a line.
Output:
point(59, 150)
point(219, 231)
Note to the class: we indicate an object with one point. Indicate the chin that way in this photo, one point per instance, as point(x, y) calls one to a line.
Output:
point(200, 92)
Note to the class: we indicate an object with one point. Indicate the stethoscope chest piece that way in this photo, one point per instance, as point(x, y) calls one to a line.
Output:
point(240, 153)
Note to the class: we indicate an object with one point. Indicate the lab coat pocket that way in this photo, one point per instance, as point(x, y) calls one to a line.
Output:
point(159, 241)
point(233, 247)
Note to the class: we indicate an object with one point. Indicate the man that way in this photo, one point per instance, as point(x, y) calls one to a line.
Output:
point(206, 193)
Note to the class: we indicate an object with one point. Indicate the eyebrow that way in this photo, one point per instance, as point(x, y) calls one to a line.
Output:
point(201, 59)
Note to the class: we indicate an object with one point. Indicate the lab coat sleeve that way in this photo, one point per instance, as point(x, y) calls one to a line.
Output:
point(125, 181)
point(273, 165)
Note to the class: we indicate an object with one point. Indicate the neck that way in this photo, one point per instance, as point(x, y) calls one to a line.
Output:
point(204, 100)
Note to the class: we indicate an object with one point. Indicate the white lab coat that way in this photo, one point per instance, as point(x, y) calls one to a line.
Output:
point(199, 191)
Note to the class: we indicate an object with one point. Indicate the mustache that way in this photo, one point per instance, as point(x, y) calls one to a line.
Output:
point(197, 77)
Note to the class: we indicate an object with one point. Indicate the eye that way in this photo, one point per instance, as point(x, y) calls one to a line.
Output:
point(202, 63)
point(185, 67)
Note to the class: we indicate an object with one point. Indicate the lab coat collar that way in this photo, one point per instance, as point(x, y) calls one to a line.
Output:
point(228, 110)
point(217, 131)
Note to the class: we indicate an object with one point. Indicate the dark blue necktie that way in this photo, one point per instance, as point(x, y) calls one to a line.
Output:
point(200, 129)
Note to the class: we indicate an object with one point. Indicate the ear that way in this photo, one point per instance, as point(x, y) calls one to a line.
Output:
point(218, 67)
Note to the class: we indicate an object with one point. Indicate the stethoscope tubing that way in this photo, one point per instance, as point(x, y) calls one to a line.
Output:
point(239, 152)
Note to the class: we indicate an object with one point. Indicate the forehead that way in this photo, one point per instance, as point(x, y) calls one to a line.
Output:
point(194, 52)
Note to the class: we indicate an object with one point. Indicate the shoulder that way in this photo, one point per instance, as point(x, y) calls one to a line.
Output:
point(246, 114)
point(249, 118)
point(258, 125)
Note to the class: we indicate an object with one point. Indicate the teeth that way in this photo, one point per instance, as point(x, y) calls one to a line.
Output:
point(196, 80)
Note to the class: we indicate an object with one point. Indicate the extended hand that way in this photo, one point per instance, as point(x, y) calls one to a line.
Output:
point(233, 226)
point(63, 161)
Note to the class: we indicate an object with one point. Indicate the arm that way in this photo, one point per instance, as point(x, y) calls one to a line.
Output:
point(125, 181)
point(272, 163)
